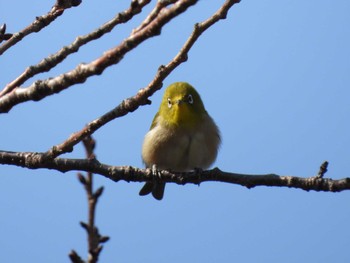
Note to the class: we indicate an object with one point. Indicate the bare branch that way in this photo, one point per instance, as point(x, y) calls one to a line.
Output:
point(141, 98)
point(39, 23)
point(154, 13)
point(128, 105)
point(95, 239)
point(33, 160)
point(53, 60)
point(43, 88)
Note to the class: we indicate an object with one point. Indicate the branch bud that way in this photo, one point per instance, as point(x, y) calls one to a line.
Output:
point(85, 226)
point(98, 192)
point(81, 178)
point(104, 239)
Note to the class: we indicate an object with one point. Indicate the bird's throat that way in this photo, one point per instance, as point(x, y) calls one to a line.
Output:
point(184, 116)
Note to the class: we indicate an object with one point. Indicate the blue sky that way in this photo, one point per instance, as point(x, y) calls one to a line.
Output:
point(275, 77)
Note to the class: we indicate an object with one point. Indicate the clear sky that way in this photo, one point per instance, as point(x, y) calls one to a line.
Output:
point(275, 76)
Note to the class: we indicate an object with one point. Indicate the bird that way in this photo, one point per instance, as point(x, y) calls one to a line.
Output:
point(183, 137)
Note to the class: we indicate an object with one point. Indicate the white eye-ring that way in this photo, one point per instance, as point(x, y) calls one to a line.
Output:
point(169, 103)
point(190, 99)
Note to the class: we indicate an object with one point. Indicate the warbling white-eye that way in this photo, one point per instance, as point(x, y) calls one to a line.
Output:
point(182, 136)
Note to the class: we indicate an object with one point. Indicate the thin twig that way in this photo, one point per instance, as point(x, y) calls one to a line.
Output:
point(43, 88)
point(53, 60)
point(39, 23)
point(154, 13)
point(33, 160)
point(95, 239)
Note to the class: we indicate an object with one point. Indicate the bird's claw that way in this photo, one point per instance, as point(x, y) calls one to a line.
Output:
point(156, 173)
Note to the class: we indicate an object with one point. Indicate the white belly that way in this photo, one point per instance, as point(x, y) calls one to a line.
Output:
point(180, 151)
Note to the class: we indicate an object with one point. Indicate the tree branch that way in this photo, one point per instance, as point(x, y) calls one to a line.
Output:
point(33, 160)
point(142, 97)
point(53, 60)
point(43, 88)
point(39, 23)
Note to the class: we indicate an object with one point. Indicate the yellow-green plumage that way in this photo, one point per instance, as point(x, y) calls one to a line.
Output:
point(182, 136)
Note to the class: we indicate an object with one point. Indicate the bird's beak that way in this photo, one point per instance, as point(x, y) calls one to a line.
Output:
point(179, 102)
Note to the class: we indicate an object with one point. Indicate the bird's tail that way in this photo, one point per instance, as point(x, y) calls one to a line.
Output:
point(156, 188)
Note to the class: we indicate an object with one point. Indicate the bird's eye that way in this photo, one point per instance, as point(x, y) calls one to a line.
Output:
point(169, 103)
point(190, 99)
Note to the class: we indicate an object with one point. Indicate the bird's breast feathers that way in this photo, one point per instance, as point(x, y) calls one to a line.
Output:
point(181, 150)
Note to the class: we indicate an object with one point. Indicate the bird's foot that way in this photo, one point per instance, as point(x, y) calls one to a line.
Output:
point(156, 173)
